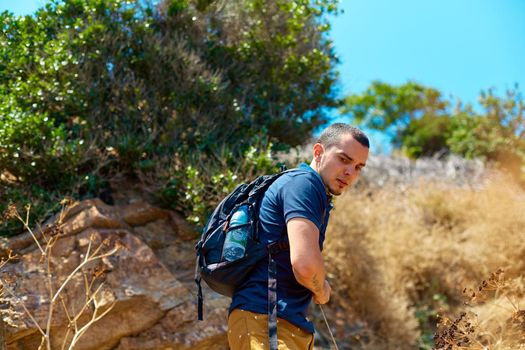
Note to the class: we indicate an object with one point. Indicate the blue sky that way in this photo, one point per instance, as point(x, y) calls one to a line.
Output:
point(457, 46)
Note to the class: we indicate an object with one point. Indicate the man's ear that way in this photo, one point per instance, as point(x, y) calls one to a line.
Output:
point(318, 151)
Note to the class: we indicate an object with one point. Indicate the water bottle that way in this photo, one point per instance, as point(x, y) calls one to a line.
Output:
point(236, 238)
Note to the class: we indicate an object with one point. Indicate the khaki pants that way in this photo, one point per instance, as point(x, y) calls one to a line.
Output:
point(249, 330)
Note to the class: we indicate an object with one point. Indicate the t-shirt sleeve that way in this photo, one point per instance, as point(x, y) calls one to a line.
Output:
point(303, 198)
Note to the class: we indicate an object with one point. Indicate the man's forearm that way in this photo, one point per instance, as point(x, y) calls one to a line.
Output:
point(305, 255)
point(312, 279)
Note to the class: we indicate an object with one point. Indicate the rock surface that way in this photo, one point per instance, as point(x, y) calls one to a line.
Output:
point(401, 171)
point(146, 285)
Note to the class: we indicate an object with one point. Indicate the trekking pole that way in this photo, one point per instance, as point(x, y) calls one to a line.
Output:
point(327, 326)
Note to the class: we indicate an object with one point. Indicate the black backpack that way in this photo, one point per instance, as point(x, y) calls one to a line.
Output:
point(224, 276)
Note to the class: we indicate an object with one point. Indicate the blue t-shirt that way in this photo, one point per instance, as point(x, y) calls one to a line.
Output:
point(296, 194)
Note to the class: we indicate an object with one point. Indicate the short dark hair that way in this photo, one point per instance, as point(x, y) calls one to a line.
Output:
point(332, 134)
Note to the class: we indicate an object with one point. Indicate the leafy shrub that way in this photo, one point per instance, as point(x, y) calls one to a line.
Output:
point(426, 136)
point(94, 88)
point(205, 184)
point(423, 124)
point(499, 135)
point(31, 142)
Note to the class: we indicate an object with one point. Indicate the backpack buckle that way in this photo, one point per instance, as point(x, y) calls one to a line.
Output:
point(278, 246)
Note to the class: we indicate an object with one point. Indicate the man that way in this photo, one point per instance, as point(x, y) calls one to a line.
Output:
point(297, 203)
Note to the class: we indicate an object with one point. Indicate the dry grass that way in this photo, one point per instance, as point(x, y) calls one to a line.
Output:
point(398, 257)
point(492, 320)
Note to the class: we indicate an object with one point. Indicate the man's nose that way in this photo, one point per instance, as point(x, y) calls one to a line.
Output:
point(349, 171)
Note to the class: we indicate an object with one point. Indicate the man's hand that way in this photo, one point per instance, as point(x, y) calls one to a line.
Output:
point(324, 297)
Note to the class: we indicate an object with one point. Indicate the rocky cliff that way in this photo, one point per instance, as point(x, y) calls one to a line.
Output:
point(143, 286)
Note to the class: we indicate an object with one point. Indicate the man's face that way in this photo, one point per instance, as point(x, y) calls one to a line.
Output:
point(339, 165)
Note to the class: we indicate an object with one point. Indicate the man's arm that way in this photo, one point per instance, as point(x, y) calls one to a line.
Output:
point(306, 258)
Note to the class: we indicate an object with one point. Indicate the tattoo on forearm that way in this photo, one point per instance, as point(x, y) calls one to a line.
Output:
point(317, 287)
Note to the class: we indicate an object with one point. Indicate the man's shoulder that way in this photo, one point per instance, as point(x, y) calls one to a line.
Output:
point(300, 177)
point(297, 183)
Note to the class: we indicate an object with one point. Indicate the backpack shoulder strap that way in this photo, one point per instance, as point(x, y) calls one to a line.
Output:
point(274, 248)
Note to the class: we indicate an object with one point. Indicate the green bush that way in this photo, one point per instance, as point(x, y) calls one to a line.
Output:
point(498, 135)
point(92, 88)
point(197, 189)
point(426, 136)
point(30, 143)
point(423, 124)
